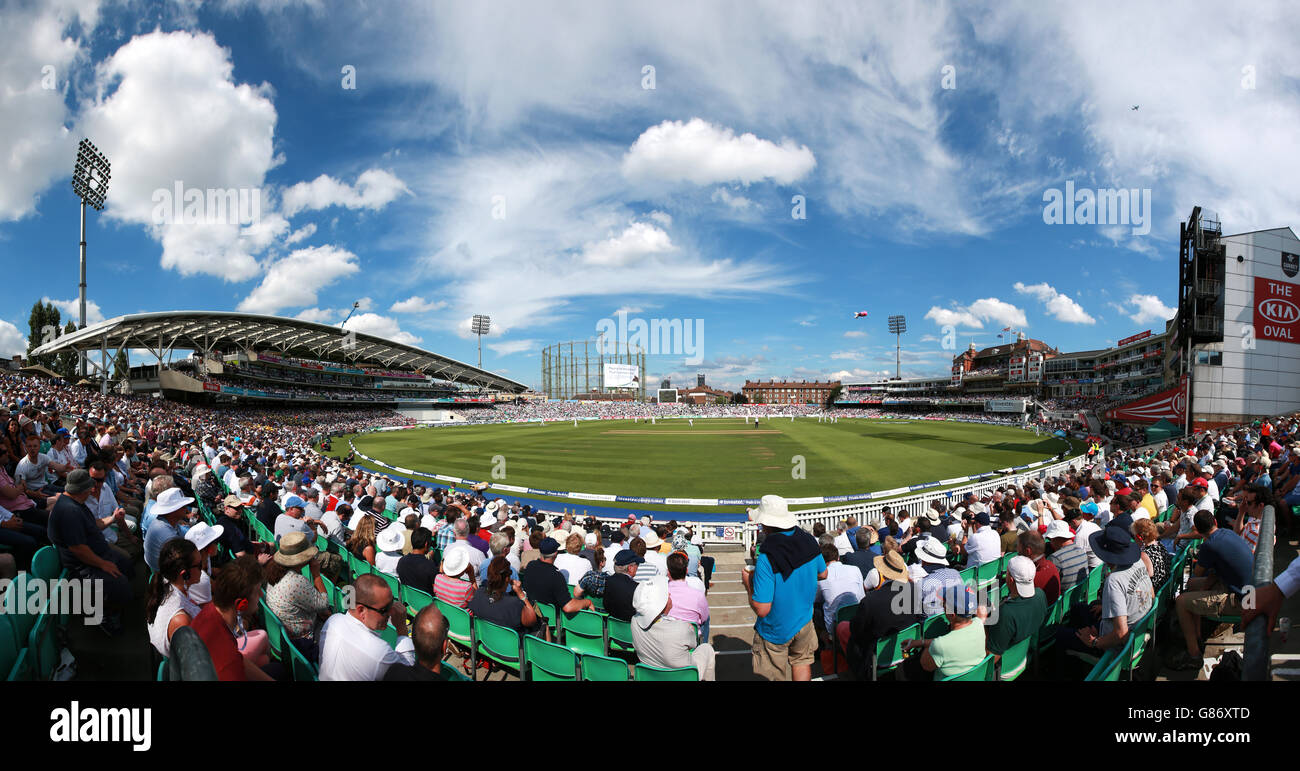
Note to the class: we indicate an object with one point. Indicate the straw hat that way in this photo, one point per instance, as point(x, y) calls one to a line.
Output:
point(296, 549)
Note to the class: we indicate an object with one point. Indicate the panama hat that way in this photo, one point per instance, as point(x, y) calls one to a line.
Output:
point(392, 537)
point(891, 566)
point(651, 538)
point(296, 549)
point(649, 600)
point(932, 550)
point(772, 511)
point(1058, 529)
point(170, 500)
point(203, 535)
point(455, 561)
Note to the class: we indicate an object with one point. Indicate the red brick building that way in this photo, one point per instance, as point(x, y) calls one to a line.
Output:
point(788, 391)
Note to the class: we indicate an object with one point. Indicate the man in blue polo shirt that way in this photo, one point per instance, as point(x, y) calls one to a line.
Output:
point(782, 588)
point(1223, 569)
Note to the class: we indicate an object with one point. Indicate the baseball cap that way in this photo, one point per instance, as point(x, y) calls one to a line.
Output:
point(293, 501)
point(626, 557)
point(1200, 482)
point(1022, 571)
point(550, 546)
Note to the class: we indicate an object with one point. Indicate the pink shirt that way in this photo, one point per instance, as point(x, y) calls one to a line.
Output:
point(689, 603)
point(21, 503)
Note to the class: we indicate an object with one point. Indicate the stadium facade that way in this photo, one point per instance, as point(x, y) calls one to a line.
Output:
point(242, 358)
point(1231, 352)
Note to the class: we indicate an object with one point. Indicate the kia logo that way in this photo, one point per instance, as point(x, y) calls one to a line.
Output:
point(1279, 311)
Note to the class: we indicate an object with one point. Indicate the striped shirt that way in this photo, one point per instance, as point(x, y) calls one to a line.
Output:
point(1073, 564)
point(454, 591)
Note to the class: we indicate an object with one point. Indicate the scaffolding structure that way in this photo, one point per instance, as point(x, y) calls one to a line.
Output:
point(576, 368)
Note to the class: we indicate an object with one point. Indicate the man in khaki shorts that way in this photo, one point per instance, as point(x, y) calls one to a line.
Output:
point(1223, 569)
point(782, 587)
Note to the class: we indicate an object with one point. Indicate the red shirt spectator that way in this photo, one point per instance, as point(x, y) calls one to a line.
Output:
point(212, 629)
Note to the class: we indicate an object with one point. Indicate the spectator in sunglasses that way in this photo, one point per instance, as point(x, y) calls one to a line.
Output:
point(350, 645)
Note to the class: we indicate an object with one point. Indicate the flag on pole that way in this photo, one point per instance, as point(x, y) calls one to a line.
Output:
point(860, 315)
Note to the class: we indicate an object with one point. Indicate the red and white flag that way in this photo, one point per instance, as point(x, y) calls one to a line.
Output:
point(860, 315)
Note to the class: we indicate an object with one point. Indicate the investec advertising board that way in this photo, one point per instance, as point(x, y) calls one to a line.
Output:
point(622, 376)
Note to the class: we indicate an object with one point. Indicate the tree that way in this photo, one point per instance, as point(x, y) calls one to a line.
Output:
point(43, 327)
point(833, 395)
point(65, 362)
point(739, 398)
point(121, 365)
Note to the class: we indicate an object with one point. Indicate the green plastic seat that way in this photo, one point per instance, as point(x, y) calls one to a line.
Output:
point(394, 585)
point(274, 629)
point(584, 632)
point(389, 635)
point(981, 672)
point(16, 609)
point(335, 596)
point(986, 575)
point(454, 674)
point(647, 673)
point(889, 649)
point(968, 576)
point(1094, 582)
point(161, 677)
point(1139, 639)
point(1109, 667)
point(416, 599)
point(9, 648)
point(549, 614)
point(620, 636)
point(549, 662)
point(1016, 658)
point(42, 649)
point(460, 629)
point(934, 626)
point(500, 645)
point(845, 613)
point(596, 602)
point(46, 565)
point(301, 669)
point(604, 668)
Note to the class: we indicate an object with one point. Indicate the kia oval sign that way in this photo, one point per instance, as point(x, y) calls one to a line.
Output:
point(1277, 312)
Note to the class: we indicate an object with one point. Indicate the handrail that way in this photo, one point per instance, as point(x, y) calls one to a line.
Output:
point(1257, 656)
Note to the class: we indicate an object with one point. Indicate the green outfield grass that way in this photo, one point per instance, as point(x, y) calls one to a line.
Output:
point(718, 458)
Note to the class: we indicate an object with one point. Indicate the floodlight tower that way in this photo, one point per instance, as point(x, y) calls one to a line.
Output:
point(90, 178)
point(897, 326)
point(480, 326)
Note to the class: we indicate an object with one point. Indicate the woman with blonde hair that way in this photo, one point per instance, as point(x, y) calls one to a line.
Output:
point(362, 542)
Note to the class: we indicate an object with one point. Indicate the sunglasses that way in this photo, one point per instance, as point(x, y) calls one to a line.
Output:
point(381, 611)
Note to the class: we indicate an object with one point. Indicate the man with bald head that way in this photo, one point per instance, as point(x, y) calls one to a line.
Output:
point(430, 633)
point(350, 645)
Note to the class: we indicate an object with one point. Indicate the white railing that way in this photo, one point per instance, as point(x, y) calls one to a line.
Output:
point(868, 512)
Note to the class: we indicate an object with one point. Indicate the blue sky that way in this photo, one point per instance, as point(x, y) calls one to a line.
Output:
point(511, 159)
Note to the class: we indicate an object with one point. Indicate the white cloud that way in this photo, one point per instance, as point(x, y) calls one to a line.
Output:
point(565, 236)
point(846, 355)
point(319, 315)
point(855, 333)
point(639, 241)
point(375, 189)
point(1059, 306)
point(38, 148)
point(12, 342)
point(169, 112)
point(417, 304)
point(294, 280)
point(705, 154)
point(509, 347)
point(945, 317)
point(70, 310)
point(1147, 308)
point(984, 309)
point(663, 218)
point(738, 203)
point(380, 326)
point(306, 231)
